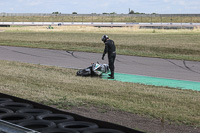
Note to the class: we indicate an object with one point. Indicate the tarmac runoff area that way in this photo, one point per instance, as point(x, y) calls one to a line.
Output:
point(150, 71)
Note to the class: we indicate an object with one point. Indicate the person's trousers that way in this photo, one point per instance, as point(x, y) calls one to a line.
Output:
point(111, 60)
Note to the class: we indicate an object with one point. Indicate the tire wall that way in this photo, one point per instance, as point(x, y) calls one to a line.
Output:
point(101, 124)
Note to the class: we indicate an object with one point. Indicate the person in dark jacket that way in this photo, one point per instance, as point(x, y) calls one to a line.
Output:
point(111, 50)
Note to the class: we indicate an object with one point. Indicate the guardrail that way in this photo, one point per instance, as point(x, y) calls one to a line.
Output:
point(7, 127)
point(106, 24)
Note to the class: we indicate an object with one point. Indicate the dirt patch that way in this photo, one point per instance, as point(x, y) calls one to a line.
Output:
point(2, 30)
point(133, 121)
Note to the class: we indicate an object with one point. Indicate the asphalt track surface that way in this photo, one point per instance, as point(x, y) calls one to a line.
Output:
point(153, 67)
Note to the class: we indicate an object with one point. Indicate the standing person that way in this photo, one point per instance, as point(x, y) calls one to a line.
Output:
point(111, 50)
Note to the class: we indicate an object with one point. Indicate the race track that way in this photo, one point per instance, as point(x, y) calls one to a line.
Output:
point(153, 67)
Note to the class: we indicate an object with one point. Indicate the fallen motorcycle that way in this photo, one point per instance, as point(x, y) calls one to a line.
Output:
point(96, 69)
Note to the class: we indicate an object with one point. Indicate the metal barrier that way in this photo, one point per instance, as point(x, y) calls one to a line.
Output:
point(7, 127)
point(107, 24)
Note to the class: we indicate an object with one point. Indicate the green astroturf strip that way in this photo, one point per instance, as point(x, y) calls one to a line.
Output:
point(181, 84)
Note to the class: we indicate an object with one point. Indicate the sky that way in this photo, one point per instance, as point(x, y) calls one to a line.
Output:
point(101, 6)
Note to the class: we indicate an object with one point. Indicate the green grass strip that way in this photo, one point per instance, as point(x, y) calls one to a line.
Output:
point(180, 84)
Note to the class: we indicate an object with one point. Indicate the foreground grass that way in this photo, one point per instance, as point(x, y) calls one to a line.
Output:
point(60, 87)
point(173, 44)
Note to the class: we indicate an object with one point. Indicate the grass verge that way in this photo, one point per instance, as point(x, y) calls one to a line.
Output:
point(61, 88)
point(106, 18)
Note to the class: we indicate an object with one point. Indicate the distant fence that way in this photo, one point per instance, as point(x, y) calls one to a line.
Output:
point(127, 18)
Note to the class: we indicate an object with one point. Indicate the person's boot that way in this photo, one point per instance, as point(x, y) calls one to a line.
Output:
point(111, 75)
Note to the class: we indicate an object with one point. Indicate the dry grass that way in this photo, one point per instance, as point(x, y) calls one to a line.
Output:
point(72, 29)
point(111, 18)
point(60, 87)
point(90, 29)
